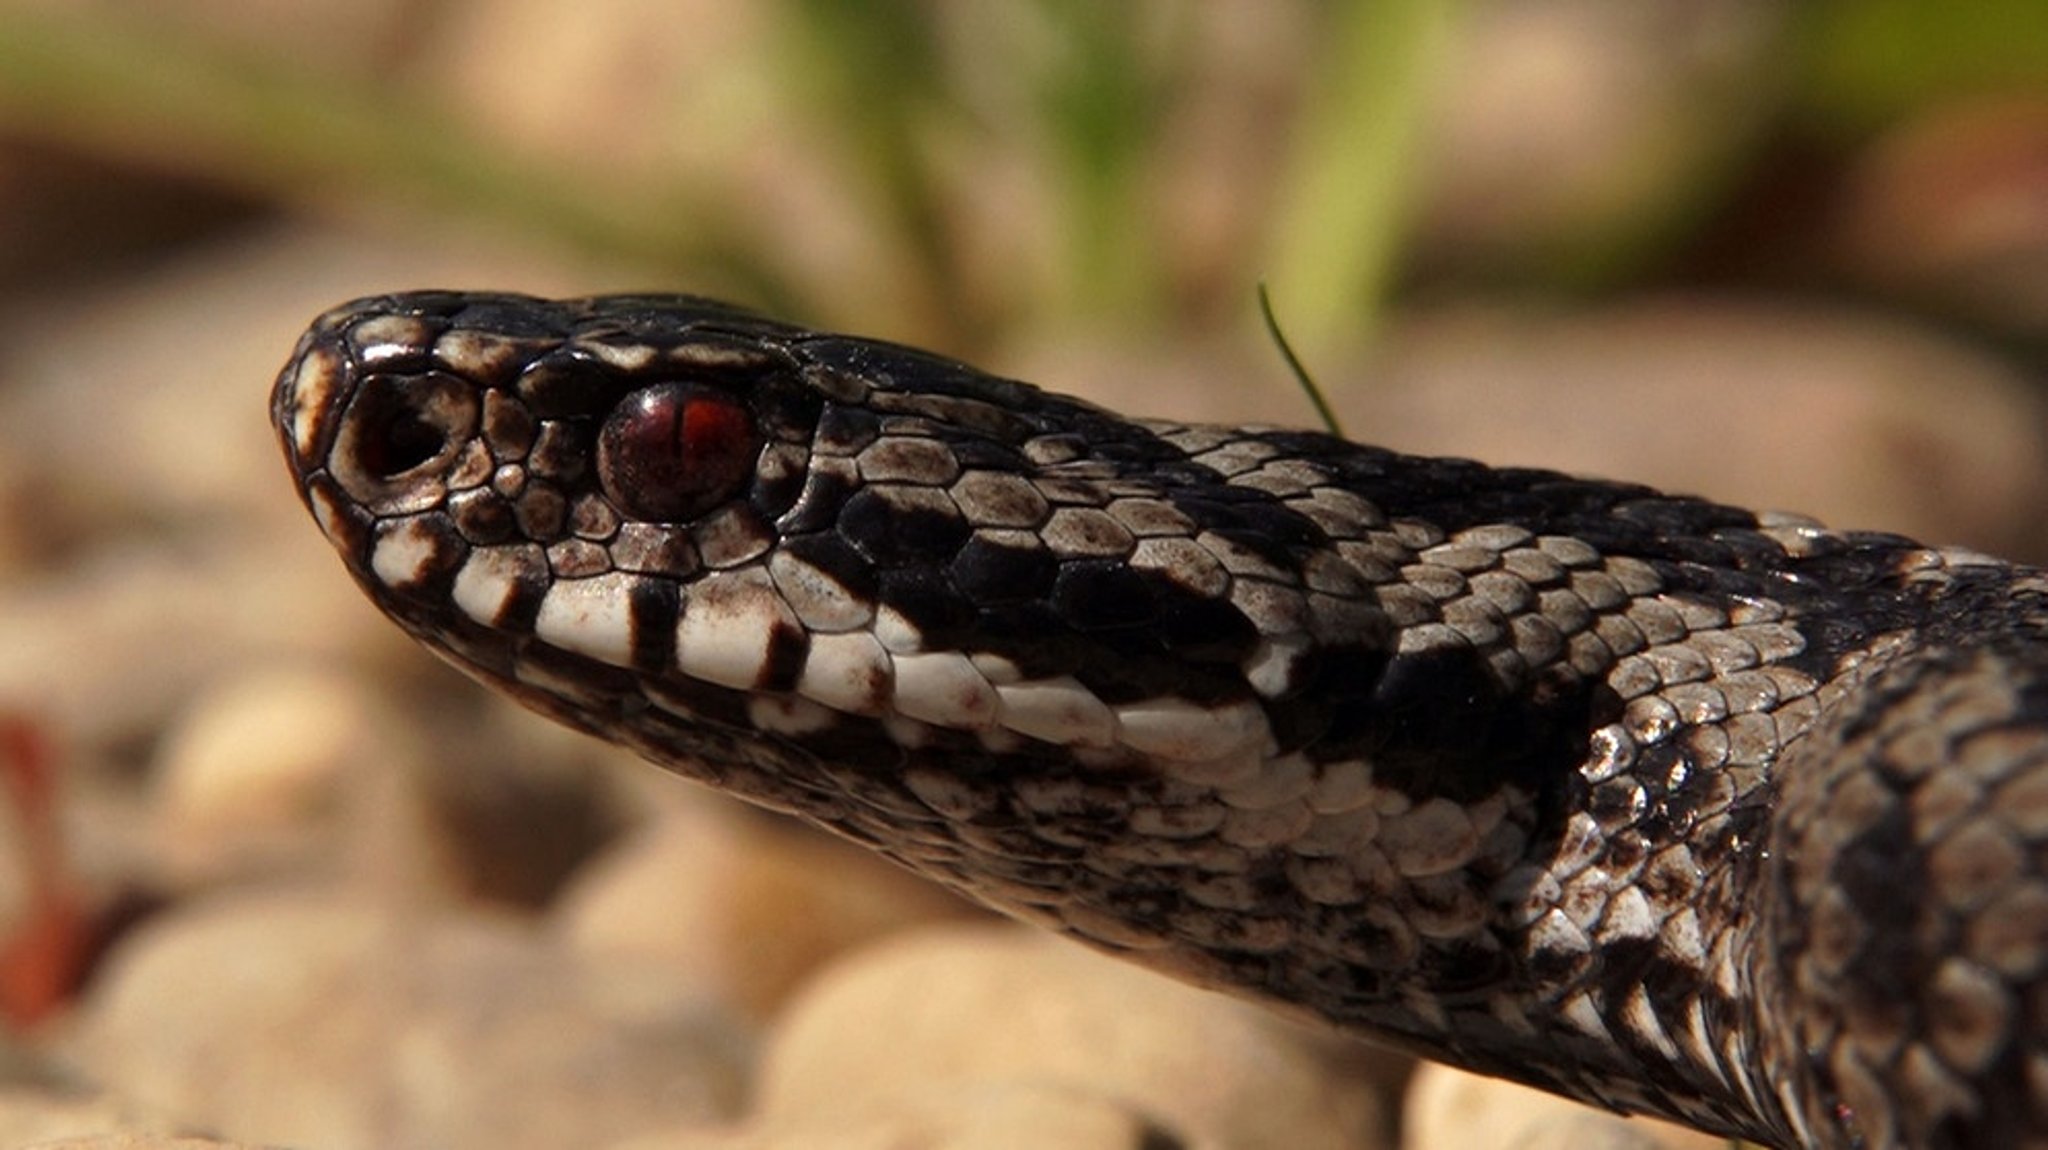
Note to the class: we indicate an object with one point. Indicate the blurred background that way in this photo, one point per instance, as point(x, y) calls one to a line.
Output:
point(1786, 255)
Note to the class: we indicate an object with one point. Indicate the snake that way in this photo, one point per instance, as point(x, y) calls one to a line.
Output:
point(1657, 803)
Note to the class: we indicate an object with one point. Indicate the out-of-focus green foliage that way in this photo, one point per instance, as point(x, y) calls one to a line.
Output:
point(1343, 207)
point(149, 91)
point(1082, 85)
point(1088, 85)
point(1101, 97)
point(1868, 62)
point(922, 108)
point(872, 69)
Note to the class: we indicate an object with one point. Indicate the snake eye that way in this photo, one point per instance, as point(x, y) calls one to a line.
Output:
point(672, 452)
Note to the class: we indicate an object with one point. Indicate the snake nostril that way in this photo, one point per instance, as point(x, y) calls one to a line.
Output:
point(404, 440)
point(398, 428)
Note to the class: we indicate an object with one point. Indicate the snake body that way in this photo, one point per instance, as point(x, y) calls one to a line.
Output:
point(1661, 804)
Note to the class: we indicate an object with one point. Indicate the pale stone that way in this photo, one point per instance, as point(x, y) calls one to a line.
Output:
point(949, 1116)
point(263, 772)
point(320, 1020)
point(741, 907)
point(993, 1004)
point(1448, 1109)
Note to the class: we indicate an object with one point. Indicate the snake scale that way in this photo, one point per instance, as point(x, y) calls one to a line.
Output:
point(1657, 803)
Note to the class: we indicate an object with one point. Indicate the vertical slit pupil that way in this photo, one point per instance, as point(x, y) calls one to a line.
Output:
point(673, 452)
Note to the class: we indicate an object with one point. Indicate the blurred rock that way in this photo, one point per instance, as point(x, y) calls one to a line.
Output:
point(949, 1116)
point(986, 1005)
point(312, 1019)
point(720, 129)
point(35, 1115)
point(17, 871)
point(741, 905)
point(577, 100)
point(106, 648)
point(1589, 1130)
point(1448, 1108)
point(1950, 210)
point(285, 770)
point(45, 1104)
point(140, 1142)
point(305, 769)
point(1572, 136)
point(67, 216)
point(516, 804)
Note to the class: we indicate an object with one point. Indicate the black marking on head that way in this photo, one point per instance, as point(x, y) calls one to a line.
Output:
point(892, 532)
point(817, 509)
point(568, 384)
point(1102, 594)
point(655, 606)
point(835, 557)
point(1465, 969)
point(1200, 628)
point(516, 317)
point(482, 515)
point(910, 371)
point(925, 597)
point(1030, 635)
point(1124, 675)
point(522, 604)
point(1327, 685)
point(844, 429)
point(1557, 967)
point(992, 573)
point(788, 648)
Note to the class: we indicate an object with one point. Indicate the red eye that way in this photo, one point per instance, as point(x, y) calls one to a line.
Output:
point(673, 452)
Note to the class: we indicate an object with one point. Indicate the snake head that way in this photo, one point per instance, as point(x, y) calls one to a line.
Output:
point(524, 475)
point(666, 514)
point(1033, 649)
